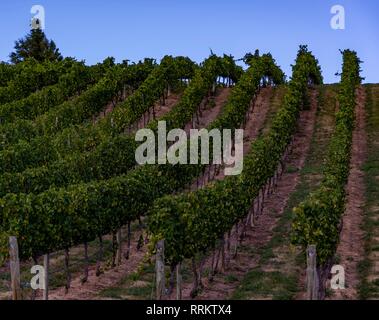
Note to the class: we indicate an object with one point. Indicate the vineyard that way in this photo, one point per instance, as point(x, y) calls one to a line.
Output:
point(74, 199)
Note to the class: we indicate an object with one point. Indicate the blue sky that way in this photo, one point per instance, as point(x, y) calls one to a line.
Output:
point(94, 29)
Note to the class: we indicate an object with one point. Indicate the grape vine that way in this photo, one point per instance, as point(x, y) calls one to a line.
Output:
point(317, 219)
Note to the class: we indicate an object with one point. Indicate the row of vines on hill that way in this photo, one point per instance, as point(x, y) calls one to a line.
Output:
point(153, 87)
point(317, 219)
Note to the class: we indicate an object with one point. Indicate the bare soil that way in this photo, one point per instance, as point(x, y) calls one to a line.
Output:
point(89, 290)
point(159, 109)
point(209, 114)
point(252, 130)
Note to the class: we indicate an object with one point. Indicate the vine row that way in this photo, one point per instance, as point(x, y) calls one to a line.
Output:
point(317, 219)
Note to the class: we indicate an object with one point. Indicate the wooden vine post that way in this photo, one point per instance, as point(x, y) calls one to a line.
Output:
point(312, 275)
point(67, 269)
point(160, 272)
point(46, 261)
point(86, 263)
point(178, 281)
point(119, 247)
point(99, 257)
point(15, 269)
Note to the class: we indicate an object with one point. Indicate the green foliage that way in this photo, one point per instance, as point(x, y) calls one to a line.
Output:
point(35, 45)
point(28, 77)
point(76, 79)
point(165, 76)
point(60, 218)
point(113, 156)
point(7, 72)
point(199, 88)
point(21, 151)
point(317, 219)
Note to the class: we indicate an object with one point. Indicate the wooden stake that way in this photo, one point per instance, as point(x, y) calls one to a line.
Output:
point(178, 281)
point(99, 257)
point(67, 269)
point(86, 263)
point(160, 272)
point(223, 255)
point(34, 292)
point(312, 275)
point(119, 247)
point(15, 269)
point(252, 218)
point(46, 265)
point(195, 286)
point(127, 254)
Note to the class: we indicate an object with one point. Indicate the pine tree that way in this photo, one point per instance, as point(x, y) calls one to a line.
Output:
point(35, 45)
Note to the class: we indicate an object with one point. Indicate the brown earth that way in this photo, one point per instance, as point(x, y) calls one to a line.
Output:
point(252, 129)
point(209, 114)
point(88, 290)
point(159, 109)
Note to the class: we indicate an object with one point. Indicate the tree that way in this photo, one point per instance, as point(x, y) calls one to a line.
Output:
point(35, 45)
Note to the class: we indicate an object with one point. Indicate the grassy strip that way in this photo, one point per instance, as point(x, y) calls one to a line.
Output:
point(369, 287)
point(275, 103)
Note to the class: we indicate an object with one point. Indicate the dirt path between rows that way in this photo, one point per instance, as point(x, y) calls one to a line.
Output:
point(111, 277)
point(88, 290)
point(208, 115)
point(159, 110)
point(350, 249)
point(253, 127)
point(259, 235)
point(110, 107)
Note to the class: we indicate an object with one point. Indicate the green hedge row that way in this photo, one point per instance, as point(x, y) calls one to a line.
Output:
point(78, 136)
